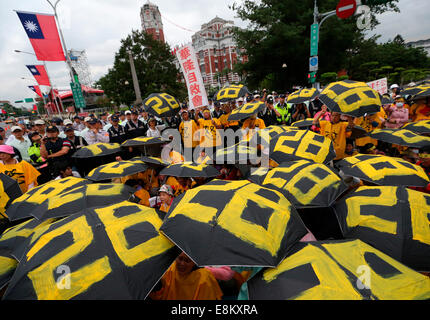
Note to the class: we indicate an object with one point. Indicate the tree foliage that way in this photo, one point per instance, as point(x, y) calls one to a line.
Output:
point(154, 66)
point(279, 32)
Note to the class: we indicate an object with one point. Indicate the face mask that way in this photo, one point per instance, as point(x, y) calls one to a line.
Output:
point(399, 104)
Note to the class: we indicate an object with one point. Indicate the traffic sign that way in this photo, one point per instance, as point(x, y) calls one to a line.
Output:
point(346, 8)
point(314, 39)
point(77, 95)
point(313, 64)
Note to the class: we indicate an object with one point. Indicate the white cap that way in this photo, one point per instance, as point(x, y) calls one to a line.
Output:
point(67, 121)
point(240, 99)
point(87, 119)
point(15, 128)
point(394, 86)
point(128, 112)
point(39, 122)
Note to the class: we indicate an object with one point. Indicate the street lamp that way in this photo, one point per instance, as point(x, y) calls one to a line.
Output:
point(284, 65)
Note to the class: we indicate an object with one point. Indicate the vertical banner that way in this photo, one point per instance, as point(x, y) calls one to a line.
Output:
point(190, 68)
point(380, 85)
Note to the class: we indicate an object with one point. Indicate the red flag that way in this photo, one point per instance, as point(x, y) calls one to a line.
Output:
point(42, 31)
point(37, 90)
point(39, 73)
point(34, 107)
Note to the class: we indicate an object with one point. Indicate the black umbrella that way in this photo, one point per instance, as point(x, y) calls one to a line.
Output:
point(117, 169)
point(303, 183)
point(190, 170)
point(391, 219)
point(161, 105)
point(97, 150)
point(9, 191)
point(338, 270)
point(22, 207)
point(109, 253)
point(231, 93)
point(7, 267)
point(401, 137)
point(84, 197)
point(143, 141)
point(301, 144)
point(233, 223)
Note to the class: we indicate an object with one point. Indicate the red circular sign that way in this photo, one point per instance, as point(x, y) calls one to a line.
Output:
point(346, 8)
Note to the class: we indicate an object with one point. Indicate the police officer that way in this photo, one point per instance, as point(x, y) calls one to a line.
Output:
point(217, 113)
point(134, 127)
point(117, 133)
point(285, 111)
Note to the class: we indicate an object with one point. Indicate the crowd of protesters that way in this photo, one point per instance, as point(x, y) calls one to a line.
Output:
point(42, 150)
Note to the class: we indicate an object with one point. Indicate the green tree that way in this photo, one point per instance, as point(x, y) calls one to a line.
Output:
point(279, 32)
point(155, 69)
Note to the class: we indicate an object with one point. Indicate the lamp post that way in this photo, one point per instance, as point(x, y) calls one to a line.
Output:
point(135, 81)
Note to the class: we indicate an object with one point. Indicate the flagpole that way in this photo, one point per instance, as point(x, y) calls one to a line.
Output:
point(52, 88)
point(68, 62)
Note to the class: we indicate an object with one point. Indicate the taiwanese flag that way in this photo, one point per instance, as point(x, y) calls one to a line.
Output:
point(43, 34)
point(37, 90)
point(39, 73)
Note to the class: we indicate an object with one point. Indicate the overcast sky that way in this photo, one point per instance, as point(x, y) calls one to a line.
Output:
point(97, 26)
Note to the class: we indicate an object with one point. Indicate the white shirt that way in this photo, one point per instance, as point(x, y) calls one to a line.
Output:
point(100, 137)
point(22, 147)
point(153, 133)
point(106, 127)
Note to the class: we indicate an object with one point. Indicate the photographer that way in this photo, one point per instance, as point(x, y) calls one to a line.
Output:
point(55, 150)
point(301, 113)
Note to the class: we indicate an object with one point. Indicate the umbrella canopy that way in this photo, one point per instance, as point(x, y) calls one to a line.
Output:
point(143, 141)
point(115, 252)
point(303, 123)
point(231, 93)
point(400, 137)
point(419, 127)
point(9, 191)
point(391, 219)
point(357, 132)
point(338, 270)
point(97, 150)
point(233, 223)
point(83, 197)
point(7, 267)
point(16, 239)
point(300, 144)
point(412, 91)
point(246, 111)
point(265, 136)
point(154, 161)
point(303, 183)
point(116, 169)
point(238, 153)
point(161, 105)
point(384, 170)
point(424, 93)
point(22, 207)
point(303, 95)
point(351, 98)
point(190, 170)
point(386, 99)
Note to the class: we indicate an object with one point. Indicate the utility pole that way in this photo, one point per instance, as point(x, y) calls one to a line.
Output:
point(135, 80)
point(319, 19)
